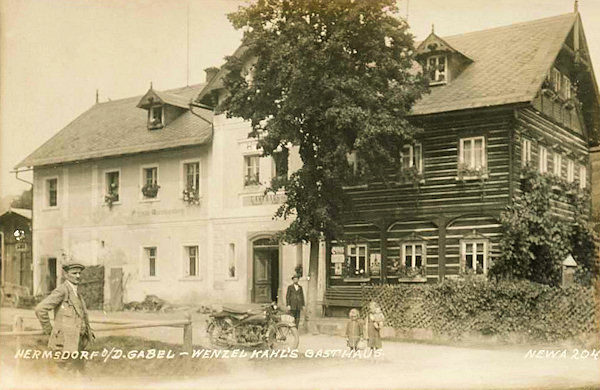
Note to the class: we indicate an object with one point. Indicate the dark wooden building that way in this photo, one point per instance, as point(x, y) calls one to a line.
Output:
point(500, 99)
point(15, 248)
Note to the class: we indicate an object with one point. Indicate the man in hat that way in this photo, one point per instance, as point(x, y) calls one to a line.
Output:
point(295, 299)
point(71, 331)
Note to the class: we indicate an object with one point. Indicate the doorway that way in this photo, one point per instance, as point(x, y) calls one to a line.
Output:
point(265, 254)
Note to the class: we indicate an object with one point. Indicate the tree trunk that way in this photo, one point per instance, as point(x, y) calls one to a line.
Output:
point(312, 309)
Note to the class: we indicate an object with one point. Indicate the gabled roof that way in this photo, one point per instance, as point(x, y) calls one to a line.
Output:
point(509, 65)
point(25, 213)
point(163, 97)
point(434, 44)
point(118, 127)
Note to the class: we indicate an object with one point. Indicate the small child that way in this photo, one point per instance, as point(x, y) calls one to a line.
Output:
point(354, 330)
point(375, 320)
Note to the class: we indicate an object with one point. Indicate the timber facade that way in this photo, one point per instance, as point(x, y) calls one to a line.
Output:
point(495, 107)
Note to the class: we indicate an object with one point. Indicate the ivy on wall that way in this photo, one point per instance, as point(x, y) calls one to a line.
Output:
point(537, 236)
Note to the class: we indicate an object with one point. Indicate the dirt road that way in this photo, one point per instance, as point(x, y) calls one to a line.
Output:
point(403, 366)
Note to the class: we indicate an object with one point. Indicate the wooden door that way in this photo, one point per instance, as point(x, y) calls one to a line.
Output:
point(266, 270)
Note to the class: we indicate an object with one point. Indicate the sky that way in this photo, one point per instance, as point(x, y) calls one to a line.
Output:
point(55, 54)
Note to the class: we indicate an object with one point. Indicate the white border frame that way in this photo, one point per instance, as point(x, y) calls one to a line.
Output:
point(423, 253)
point(461, 142)
point(357, 246)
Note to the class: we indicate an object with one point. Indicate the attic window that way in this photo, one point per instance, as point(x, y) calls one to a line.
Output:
point(436, 69)
point(156, 117)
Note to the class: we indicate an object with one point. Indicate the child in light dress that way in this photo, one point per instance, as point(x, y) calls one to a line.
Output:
point(354, 330)
point(375, 320)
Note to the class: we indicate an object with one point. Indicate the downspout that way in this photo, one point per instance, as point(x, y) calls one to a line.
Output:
point(193, 104)
point(16, 171)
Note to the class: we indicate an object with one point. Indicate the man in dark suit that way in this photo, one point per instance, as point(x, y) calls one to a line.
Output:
point(71, 331)
point(295, 299)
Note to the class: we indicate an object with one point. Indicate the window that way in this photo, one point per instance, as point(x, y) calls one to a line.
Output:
point(557, 164)
point(357, 255)
point(111, 186)
point(150, 182)
point(436, 69)
point(155, 117)
point(191, 177)
point(280, 164)
point(231, 271)
point(472, 153)
point(582, 176)
point(555, 79)
point(570, 171)
point(566, 87)
point(412, 156)
point(192, 266)
point(525, 152)
point(52, 192)
point(543, 160)
point(413, 255)
point(251, 170)
point(150, 258)
point(474, 255)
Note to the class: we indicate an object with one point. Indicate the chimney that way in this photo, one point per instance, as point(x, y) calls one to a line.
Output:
point(211, 73)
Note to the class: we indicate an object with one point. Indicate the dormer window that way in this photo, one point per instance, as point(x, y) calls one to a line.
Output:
point(560, 84)
point(156, 117)
point(436, 69)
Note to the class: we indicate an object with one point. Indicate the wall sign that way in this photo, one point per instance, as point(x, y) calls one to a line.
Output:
point(375, 263)
point(337, 255)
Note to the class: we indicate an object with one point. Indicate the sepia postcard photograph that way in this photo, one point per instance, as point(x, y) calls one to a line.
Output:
point(299, 194)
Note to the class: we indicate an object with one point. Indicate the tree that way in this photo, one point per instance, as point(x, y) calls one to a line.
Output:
point(537, 238)
point(24, 201)
point(332, 78)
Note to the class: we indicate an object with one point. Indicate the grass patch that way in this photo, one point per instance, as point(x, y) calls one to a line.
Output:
point(123, 367)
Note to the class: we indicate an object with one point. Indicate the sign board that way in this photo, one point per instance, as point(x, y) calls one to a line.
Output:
point(21, 247)
point(337, 254)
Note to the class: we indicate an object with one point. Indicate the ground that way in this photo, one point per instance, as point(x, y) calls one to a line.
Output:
point(404, 365)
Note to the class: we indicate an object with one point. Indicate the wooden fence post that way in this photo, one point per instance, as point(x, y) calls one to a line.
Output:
point(18, 327)
point(187, 335)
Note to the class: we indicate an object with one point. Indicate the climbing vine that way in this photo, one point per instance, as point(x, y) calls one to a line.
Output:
point(548, 221)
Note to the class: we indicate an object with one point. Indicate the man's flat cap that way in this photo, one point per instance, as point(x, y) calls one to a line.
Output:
point(73, 264)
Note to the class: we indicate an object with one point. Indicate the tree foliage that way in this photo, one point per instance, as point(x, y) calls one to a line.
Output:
point(24, 201)
point(331, 78)
point(537, 237)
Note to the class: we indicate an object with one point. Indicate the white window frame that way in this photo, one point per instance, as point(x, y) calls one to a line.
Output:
point(471, 164)
point(566, 87)
point(556, 79)
point(543, 159)
point(414, 245)
point(525, 151)
point(473, 242)
point(570, 171)
point(185, 256)
point(582, 176)
point(105, 183)
point(247, 157)
point(354, 259)
point(183, 176)
point(143, 181)
point(437, 72)
point(145, 263)
point(557, 164)
point(415, 156)
point(47, 205)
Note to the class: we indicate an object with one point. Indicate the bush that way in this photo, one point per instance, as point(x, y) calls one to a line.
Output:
point(455, 308)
